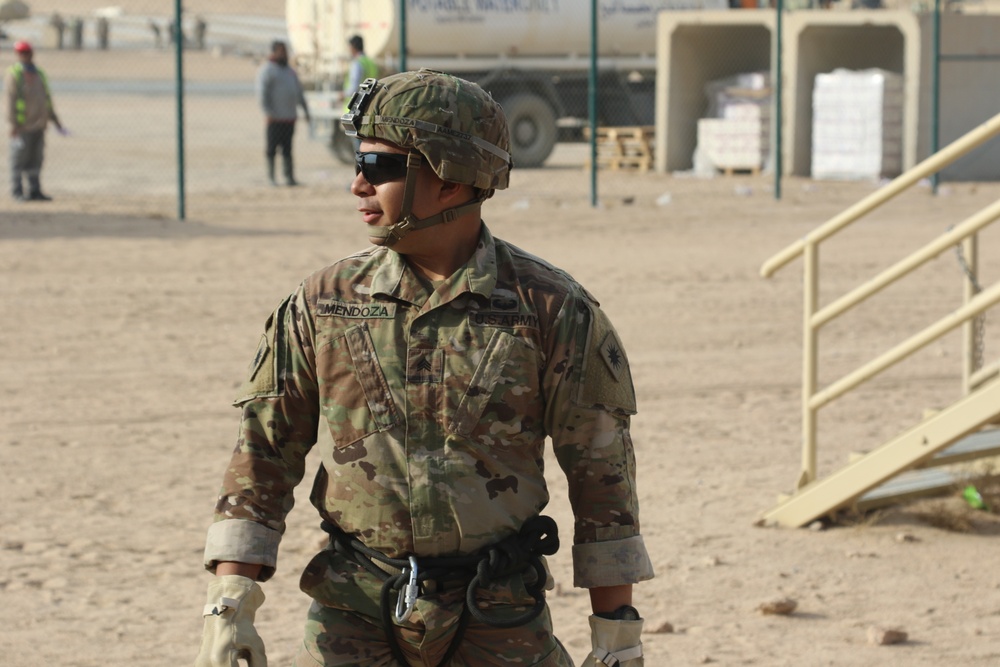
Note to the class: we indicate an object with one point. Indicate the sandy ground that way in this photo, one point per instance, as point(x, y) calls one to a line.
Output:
point(126, 332)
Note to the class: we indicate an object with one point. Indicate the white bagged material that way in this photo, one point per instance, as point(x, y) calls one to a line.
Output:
point(857, 130)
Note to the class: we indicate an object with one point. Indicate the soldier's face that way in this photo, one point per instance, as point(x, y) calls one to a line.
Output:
point(380, 205)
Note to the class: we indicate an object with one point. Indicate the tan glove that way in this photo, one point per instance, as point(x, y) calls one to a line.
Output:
point(229, 634)
point(615, 643)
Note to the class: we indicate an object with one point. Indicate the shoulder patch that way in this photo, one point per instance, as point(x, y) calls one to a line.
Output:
point(613, 355)
point(607, 379)
point(264, 378)
point(263, 349)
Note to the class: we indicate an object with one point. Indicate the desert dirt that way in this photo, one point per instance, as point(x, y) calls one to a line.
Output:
point(126, 333)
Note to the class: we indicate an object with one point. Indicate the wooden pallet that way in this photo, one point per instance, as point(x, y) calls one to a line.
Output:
point(623, 148)
point(743, 171)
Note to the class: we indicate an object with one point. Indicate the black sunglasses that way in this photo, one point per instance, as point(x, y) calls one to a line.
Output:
point(380, 167)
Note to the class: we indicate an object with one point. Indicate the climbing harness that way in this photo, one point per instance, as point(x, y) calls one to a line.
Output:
point(410, 577)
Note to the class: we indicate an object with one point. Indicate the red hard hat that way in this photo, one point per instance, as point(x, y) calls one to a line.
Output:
point(22, 47)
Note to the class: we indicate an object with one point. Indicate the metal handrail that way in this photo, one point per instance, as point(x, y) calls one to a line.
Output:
point(932, 164)
point(814, 317)
point(974, 307)
point(949, 239)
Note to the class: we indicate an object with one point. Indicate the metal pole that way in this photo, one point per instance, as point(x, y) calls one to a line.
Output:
point(402, 35)
point(935, 86)
point(592, 102)
point(179, 86)
point(776, 101)
point(810, 362)
point(971, 360)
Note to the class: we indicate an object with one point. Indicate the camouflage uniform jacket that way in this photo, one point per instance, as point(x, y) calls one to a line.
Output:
point(438, 404)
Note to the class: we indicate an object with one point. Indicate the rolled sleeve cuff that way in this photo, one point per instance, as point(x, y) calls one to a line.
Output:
point(611, 563)
point(242, 541)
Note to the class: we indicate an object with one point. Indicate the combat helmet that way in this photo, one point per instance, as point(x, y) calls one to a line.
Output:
point(452, 124)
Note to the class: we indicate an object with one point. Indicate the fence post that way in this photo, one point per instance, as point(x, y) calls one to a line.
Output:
point(592, 102)
point(402, 35)
point(776, 99)
point(179, 85)
point(935, 87)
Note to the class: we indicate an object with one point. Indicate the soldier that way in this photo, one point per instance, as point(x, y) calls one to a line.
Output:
point(439, 360)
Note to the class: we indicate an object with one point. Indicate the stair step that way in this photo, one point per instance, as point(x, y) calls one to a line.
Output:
point(928, 479)
point(957, 427)
point(909, 485)
point(976, 446)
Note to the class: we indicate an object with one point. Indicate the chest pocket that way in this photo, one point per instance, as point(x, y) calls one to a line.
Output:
point(502, 400)
point(354, 394)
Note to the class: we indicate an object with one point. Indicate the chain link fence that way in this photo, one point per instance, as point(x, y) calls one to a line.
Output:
point(112, 71)
point(113, 76)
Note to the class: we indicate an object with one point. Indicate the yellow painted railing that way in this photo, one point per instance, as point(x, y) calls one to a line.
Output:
point(813, 317)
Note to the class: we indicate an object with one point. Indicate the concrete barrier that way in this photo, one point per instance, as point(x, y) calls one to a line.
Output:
point(693, 48)
point(696, 47)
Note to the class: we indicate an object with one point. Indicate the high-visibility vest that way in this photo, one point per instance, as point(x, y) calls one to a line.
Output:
point(20, 106)
point(369, 70)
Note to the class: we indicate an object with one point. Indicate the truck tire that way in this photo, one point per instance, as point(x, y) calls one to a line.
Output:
point(341, 145)
point(533, 129)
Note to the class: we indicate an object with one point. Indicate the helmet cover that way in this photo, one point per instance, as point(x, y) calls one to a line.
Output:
point(460, 130)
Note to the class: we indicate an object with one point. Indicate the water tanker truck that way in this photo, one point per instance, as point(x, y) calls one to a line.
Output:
point(532, 55)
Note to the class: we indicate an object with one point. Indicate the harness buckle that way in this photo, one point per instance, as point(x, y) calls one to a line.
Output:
point(408, 594)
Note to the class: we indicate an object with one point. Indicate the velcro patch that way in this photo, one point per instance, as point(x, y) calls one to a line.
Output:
point(258, 358)
point(505, 320)
point(614, 355)
point(355, 311)
point(606, 379)
point(425, 366)
point(264, 374)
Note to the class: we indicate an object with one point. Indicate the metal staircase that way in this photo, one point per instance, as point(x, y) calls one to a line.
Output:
point(871, 480)
point(889, 473)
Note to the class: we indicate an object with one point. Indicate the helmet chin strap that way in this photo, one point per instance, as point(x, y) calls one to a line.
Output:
point(388, 236)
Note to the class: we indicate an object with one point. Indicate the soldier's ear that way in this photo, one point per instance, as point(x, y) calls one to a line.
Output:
point(454, 194)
